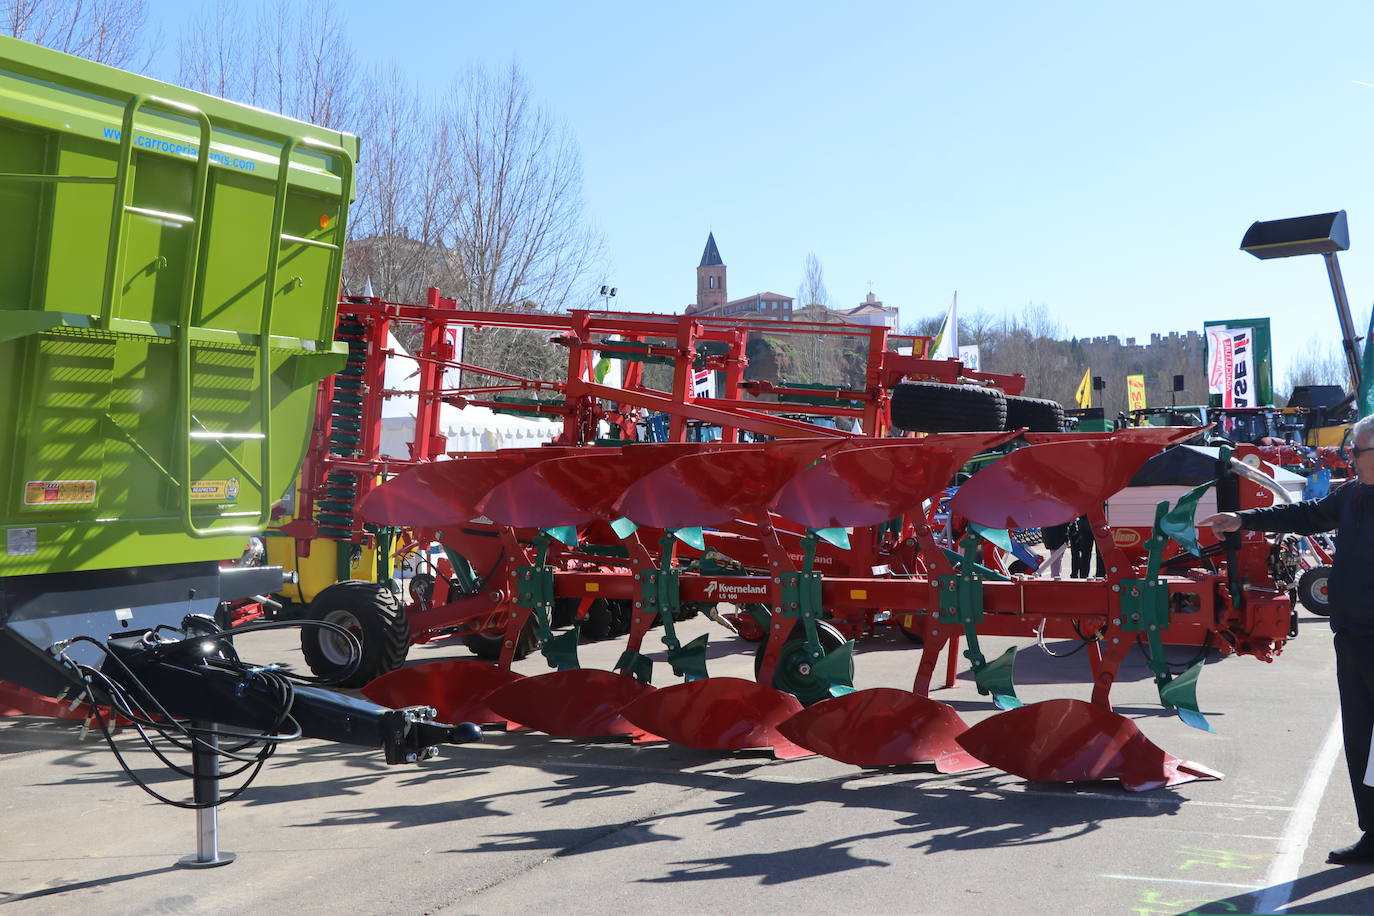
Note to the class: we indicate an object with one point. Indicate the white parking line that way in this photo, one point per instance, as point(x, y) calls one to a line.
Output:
point(1279, 879)
point(1247, 887)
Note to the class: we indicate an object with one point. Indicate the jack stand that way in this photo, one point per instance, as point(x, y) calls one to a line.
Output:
point(205, 788)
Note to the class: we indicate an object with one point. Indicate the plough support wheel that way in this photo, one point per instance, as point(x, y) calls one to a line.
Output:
point(805, 676)
point(718, 714)
point(457, 688)
point(883, 727)
point(577, 703)
point(1073, 741)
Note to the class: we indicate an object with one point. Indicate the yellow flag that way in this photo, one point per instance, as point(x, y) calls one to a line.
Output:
point(1135, 392)
point(1084, 394)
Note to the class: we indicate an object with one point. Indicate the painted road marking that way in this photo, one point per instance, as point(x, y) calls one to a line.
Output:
point(1247, 887)
point(1298, 830)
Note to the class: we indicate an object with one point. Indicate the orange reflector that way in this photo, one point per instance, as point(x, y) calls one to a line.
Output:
point(593, 586)
point(324, 220)
point(858, 594)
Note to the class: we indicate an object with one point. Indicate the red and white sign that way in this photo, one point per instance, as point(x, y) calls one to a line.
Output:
point(1231, 366)
point(453, 376)
point(703, 383)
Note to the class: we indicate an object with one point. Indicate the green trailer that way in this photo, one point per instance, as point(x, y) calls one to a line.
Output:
point(169, 273)
point(169, 270)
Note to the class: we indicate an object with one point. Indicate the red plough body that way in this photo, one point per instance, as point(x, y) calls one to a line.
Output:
point(760, 503)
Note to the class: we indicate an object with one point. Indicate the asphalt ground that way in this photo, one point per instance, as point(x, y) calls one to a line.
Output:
point(524, 823)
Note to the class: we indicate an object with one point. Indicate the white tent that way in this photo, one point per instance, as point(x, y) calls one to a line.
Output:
point(470, 429)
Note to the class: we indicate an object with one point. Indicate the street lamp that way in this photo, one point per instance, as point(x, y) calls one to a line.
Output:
point(607, 294)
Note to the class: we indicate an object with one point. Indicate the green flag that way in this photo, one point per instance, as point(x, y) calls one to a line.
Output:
point(1366, 404)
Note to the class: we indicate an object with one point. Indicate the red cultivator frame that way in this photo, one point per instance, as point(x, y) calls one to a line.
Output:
point(791, 531)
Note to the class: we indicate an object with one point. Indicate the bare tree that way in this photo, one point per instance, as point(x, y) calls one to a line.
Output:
point(1318, 364)
point(479, 194)
point(812, 290)
point(297, 60)
point(212, 57)
point(107, 31)
point(398, 224)
point(516, 231)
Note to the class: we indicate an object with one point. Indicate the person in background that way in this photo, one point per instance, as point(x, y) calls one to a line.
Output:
point(1350, 511)
point(1056, 541)
point(1081, 547)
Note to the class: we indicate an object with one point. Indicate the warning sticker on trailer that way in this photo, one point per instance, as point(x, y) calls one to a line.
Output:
point(220, 491)
point(21, 542)
point(59, 492)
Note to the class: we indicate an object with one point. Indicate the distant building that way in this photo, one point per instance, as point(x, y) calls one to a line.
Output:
point(713, 298)
point(871, 312)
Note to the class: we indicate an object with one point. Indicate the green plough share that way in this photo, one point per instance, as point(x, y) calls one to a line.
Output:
point(961, 602)
point(535, 590)
point(660, 593)
point(1145, 609)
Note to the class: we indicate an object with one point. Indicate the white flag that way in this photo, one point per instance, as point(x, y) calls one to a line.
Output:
point(946, 344)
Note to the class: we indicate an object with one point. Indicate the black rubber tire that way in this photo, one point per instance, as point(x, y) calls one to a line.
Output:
point(911, 635)
point(622, 615)
point(1312, 590)
point(786, 678)
point(933, 407)
point(564, 612)
point(487, 646)
point(597, 625)
point(1039, 415)
point(373, 615)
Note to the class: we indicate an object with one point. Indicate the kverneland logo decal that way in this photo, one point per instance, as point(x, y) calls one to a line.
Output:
point(728, 591)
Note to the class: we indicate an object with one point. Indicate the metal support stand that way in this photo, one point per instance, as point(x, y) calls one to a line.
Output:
point(205, 766)
point(1348, 335)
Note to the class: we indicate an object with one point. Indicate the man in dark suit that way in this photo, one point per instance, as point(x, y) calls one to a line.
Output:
point(1349, 510)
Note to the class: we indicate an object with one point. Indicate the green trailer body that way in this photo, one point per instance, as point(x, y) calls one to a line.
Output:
point(169, 272)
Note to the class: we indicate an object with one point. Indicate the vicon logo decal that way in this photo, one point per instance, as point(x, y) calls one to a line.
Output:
point(1126, 537)
point(729, 591)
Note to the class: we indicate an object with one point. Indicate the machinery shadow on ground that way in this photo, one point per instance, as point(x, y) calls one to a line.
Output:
point(938, 818)
point(1353, 903)
point(83, 885)
point(941, 815)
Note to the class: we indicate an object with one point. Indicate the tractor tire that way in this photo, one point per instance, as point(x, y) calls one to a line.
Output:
point(488, 646)
point(376, 619)
point(622, 615)
point(597, 625)
point(564, 612)
point(1312, 590)
point(933, 407)
point(792, 674)
point(1039, 415)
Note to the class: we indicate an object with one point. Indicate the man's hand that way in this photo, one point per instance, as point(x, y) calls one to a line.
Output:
point(1222, 522)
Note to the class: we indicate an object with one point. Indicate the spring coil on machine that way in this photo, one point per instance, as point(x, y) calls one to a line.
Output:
point(334, 512)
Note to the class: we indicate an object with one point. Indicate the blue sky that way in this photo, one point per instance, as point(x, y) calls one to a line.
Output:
point(1102, 159)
